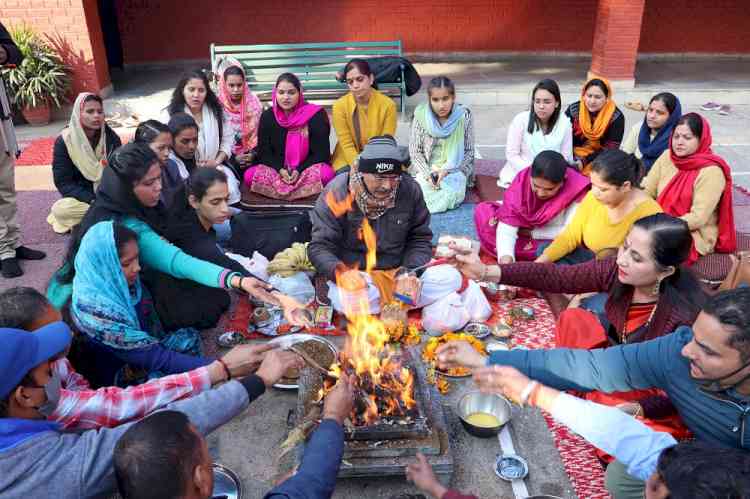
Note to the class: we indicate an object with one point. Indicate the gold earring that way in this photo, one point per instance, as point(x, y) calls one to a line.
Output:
point(657, 287)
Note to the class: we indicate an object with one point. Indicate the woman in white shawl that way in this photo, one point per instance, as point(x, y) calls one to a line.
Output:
point(539, 129)
point(78, 159)
point(194, 96)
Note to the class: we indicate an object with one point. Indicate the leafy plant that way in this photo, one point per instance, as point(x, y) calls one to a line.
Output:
point(42, 77)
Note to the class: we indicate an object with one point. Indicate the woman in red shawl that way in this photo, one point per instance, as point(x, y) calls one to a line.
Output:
point(691, 182)
point(535, 208)
point(294, 152)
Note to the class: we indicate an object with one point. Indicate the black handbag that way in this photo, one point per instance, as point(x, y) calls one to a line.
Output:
point(270, 231)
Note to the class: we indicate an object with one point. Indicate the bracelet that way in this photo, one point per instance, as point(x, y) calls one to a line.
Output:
point(638, 411)
point(534, 394)
point(526, 392)
point(484, 273)
point(226, 368)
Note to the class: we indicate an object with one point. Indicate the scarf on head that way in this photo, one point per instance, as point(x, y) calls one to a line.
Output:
point(652, 149)
point(522, 208)
point(297, 144)
point(552, 141)
point(248, 110)
point(370, 206)
point(594, 130)
point(677, 197)
point(452, 154)
point(103, 305)
point(89, 161)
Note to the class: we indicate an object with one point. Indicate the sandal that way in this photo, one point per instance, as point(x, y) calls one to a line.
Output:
point(725, 109)
point(230, 339)
point(635, 106)
point(710, 106)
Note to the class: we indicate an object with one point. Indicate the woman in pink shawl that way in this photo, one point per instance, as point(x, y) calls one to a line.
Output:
point(294, 152)
point(242, 110)
point(535, 208)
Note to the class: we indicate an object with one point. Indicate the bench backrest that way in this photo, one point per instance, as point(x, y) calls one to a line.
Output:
point(315, 64)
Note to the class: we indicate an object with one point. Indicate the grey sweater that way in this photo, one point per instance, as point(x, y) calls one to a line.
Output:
point(73, 465)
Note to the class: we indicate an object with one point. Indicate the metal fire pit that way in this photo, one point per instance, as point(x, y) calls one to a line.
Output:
point(385, 448)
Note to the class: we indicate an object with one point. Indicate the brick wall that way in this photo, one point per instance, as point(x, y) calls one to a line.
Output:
point(157, 30)
point(616, 36)
point(73, 27)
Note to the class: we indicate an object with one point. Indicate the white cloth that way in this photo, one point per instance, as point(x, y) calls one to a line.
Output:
point(209, 147)
point(521, 147)
point(507, 235)
point(437, 282)
point(615, 432)
point(184, 173)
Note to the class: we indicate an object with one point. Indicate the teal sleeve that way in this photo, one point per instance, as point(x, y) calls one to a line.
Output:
point(615, 369)
point(159, 254)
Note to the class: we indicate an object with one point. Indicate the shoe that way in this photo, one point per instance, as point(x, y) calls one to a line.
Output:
point(24, 253)
point(635, 106)
point(710, 106)
point(9, 268)
point(231, 339)
point(725, 109)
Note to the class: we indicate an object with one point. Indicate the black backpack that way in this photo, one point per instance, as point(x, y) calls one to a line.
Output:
point(270, 230)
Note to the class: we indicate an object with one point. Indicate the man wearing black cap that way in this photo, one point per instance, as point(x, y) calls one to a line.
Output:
point(378, 192)
point(37, 459)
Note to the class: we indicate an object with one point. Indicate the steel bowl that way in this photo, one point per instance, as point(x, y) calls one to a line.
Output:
point(511, 467)
point(490, 403)
point(227, 484)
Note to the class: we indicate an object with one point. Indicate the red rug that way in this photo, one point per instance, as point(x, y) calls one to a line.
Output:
point(36, 152)
point(581, 464)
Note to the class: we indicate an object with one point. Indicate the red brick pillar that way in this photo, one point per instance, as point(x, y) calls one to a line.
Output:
point(616, 37)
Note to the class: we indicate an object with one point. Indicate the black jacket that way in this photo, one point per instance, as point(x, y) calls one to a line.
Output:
point(68, 178)
point(272, 141)
point(404, 237)
point(14, 55)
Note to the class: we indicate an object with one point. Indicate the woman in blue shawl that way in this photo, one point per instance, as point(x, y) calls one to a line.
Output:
point(116, 313)
point(650, 138)
point(442, 147)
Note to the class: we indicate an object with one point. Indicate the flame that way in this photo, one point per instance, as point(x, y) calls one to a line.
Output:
point(383, 386)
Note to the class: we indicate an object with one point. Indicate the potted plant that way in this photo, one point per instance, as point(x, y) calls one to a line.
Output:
point(42, 79)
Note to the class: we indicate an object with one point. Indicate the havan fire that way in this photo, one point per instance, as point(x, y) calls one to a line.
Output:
point(383, 385)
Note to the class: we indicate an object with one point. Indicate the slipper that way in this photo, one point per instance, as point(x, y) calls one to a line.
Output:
point(710, 106)
point(635, 106)
point(725, 109)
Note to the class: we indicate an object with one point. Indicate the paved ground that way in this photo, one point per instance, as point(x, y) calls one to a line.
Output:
point(495, 91)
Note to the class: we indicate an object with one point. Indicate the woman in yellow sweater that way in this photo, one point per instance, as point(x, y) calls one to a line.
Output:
point(605, 215)
point(692, 183)
point(361, 114)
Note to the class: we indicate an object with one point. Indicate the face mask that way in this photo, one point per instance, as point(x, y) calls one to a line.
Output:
point(52, 390)
point(714, 385)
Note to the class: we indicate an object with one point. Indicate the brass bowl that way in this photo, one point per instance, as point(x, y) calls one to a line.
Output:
point(489, 403)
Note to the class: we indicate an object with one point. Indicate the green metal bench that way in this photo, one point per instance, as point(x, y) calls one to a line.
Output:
point(315, 64)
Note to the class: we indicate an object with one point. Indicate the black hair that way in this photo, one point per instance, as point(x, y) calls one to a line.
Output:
point(671, 242)
point(290, 78)
point(667, 98)
point(21, 306)
point(123, 236)
point(180, 121)
point(699, 470)
point(149, 130)
point(132, 161)
point(177, 103)
point(233, 71)
point(617, 167)
point(732, 308)
point(155, 457)
point(361, 64)
point(441, 82)
point(549, 165)
point(694, 122)
point(93, 98)
point(596, 82)
point(202, 179)
point(551, 87)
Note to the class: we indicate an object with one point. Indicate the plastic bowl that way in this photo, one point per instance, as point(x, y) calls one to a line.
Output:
point(489, 403)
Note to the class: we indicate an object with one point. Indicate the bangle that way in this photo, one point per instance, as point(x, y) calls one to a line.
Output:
point(226, 368)
point(534, 395)
point(526, 392)
point(484, 273)
point(639, 411)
